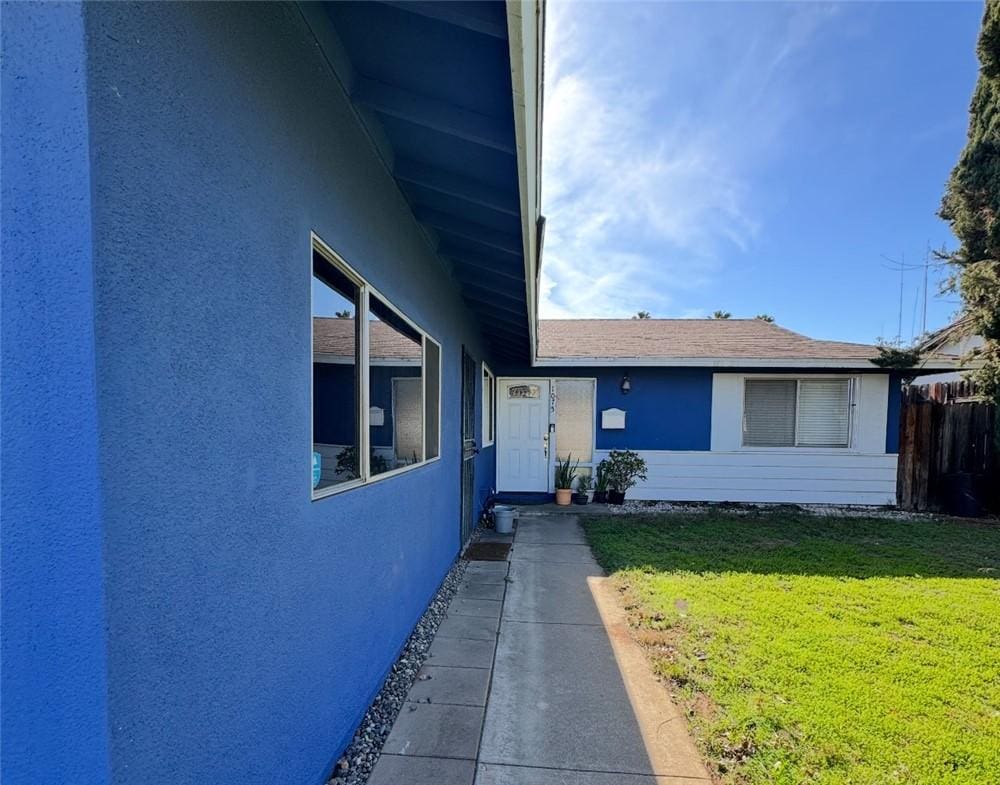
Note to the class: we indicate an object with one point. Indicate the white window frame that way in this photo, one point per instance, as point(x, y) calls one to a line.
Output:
point(488, 416)
point(366, 290)
point(854, 383)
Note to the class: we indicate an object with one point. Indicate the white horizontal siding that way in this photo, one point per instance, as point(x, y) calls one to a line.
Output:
point(793, 476)
point(832, 458)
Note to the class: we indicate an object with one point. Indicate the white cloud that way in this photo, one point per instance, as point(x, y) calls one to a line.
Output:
point(646, 185)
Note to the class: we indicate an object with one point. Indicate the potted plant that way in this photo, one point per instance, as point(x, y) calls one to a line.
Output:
point(625, 468)
point(565, 472)
point(582, 489)
point(601, 483)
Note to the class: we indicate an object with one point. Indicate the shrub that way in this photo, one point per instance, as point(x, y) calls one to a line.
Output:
point(624, 469)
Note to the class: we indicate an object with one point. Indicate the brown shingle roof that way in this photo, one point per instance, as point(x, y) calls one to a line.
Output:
point(661, 341)
point(335, 337)
point(707, 339)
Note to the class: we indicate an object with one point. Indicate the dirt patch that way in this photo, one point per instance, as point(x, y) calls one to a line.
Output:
point(660, 638)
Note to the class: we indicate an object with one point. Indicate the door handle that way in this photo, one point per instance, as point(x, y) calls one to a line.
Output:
point(545, 443)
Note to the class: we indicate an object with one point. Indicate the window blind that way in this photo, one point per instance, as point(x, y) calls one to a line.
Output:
point(824, 413)
point(407, 422)
point(769, 413)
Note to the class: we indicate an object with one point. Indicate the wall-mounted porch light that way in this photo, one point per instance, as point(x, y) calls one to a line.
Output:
point(626, 385)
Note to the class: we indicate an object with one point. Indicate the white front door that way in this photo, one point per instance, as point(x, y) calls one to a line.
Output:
point(522, 435)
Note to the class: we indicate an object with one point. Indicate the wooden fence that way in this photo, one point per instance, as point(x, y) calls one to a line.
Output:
point(948, 455)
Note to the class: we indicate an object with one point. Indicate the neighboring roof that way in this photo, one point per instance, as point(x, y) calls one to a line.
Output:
point(955, 332)
point(696, 342)
point(334, 338)
point(958, 341)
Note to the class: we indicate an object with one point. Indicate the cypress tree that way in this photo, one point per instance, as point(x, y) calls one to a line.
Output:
point(971, 205)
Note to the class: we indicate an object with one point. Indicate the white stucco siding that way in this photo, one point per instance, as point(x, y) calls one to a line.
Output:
point(862, 473)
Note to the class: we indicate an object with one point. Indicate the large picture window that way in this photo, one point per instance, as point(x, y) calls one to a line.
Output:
point(797, 413)
point(376, 382)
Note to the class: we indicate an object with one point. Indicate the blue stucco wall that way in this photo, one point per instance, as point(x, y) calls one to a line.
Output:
point(486, 469)
point(671, 408)
point(667, 409)
point(249, 626)
point(54, 725)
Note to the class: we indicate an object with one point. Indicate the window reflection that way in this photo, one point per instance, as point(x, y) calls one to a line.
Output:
point(432, 416)
point(336, 396)
point(396, 387)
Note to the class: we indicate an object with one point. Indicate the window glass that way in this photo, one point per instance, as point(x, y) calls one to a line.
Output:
point(824, 413)
point(575, 419)
point(407, 400)
point(336, 388)
point(432, 372)
point(769, 413)
point(797, 413)
point(395, 355)
point(376, 382)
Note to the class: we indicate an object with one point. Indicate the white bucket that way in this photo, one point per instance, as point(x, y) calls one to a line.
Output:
point(504, 517)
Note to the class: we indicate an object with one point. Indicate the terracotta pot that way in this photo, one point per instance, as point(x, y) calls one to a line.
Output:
point(563, 496)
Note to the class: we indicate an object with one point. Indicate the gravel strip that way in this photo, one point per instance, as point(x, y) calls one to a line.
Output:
point(356, 764)
point(694, 508)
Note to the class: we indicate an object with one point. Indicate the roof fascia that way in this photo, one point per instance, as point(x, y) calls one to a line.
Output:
point(728, 362)
point(526, 40)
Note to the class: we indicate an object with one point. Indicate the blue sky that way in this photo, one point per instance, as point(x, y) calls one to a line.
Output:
point(752, 157)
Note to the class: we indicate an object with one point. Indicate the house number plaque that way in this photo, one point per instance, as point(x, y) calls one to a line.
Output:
point(524, 391)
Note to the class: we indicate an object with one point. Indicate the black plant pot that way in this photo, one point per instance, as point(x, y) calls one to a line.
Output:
point(616, 497)
point(580, 498)
point(600, 497)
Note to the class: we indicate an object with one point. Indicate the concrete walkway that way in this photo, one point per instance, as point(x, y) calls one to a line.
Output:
point(533, 679)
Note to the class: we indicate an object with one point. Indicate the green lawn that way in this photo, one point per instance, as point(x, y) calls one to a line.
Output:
point(821, 650)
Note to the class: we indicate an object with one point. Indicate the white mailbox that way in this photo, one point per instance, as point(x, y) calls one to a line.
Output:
point(613, 419)
point(376, 416)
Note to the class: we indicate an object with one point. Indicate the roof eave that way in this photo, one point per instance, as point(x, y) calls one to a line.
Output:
point(526, 39)
point(730, 362)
